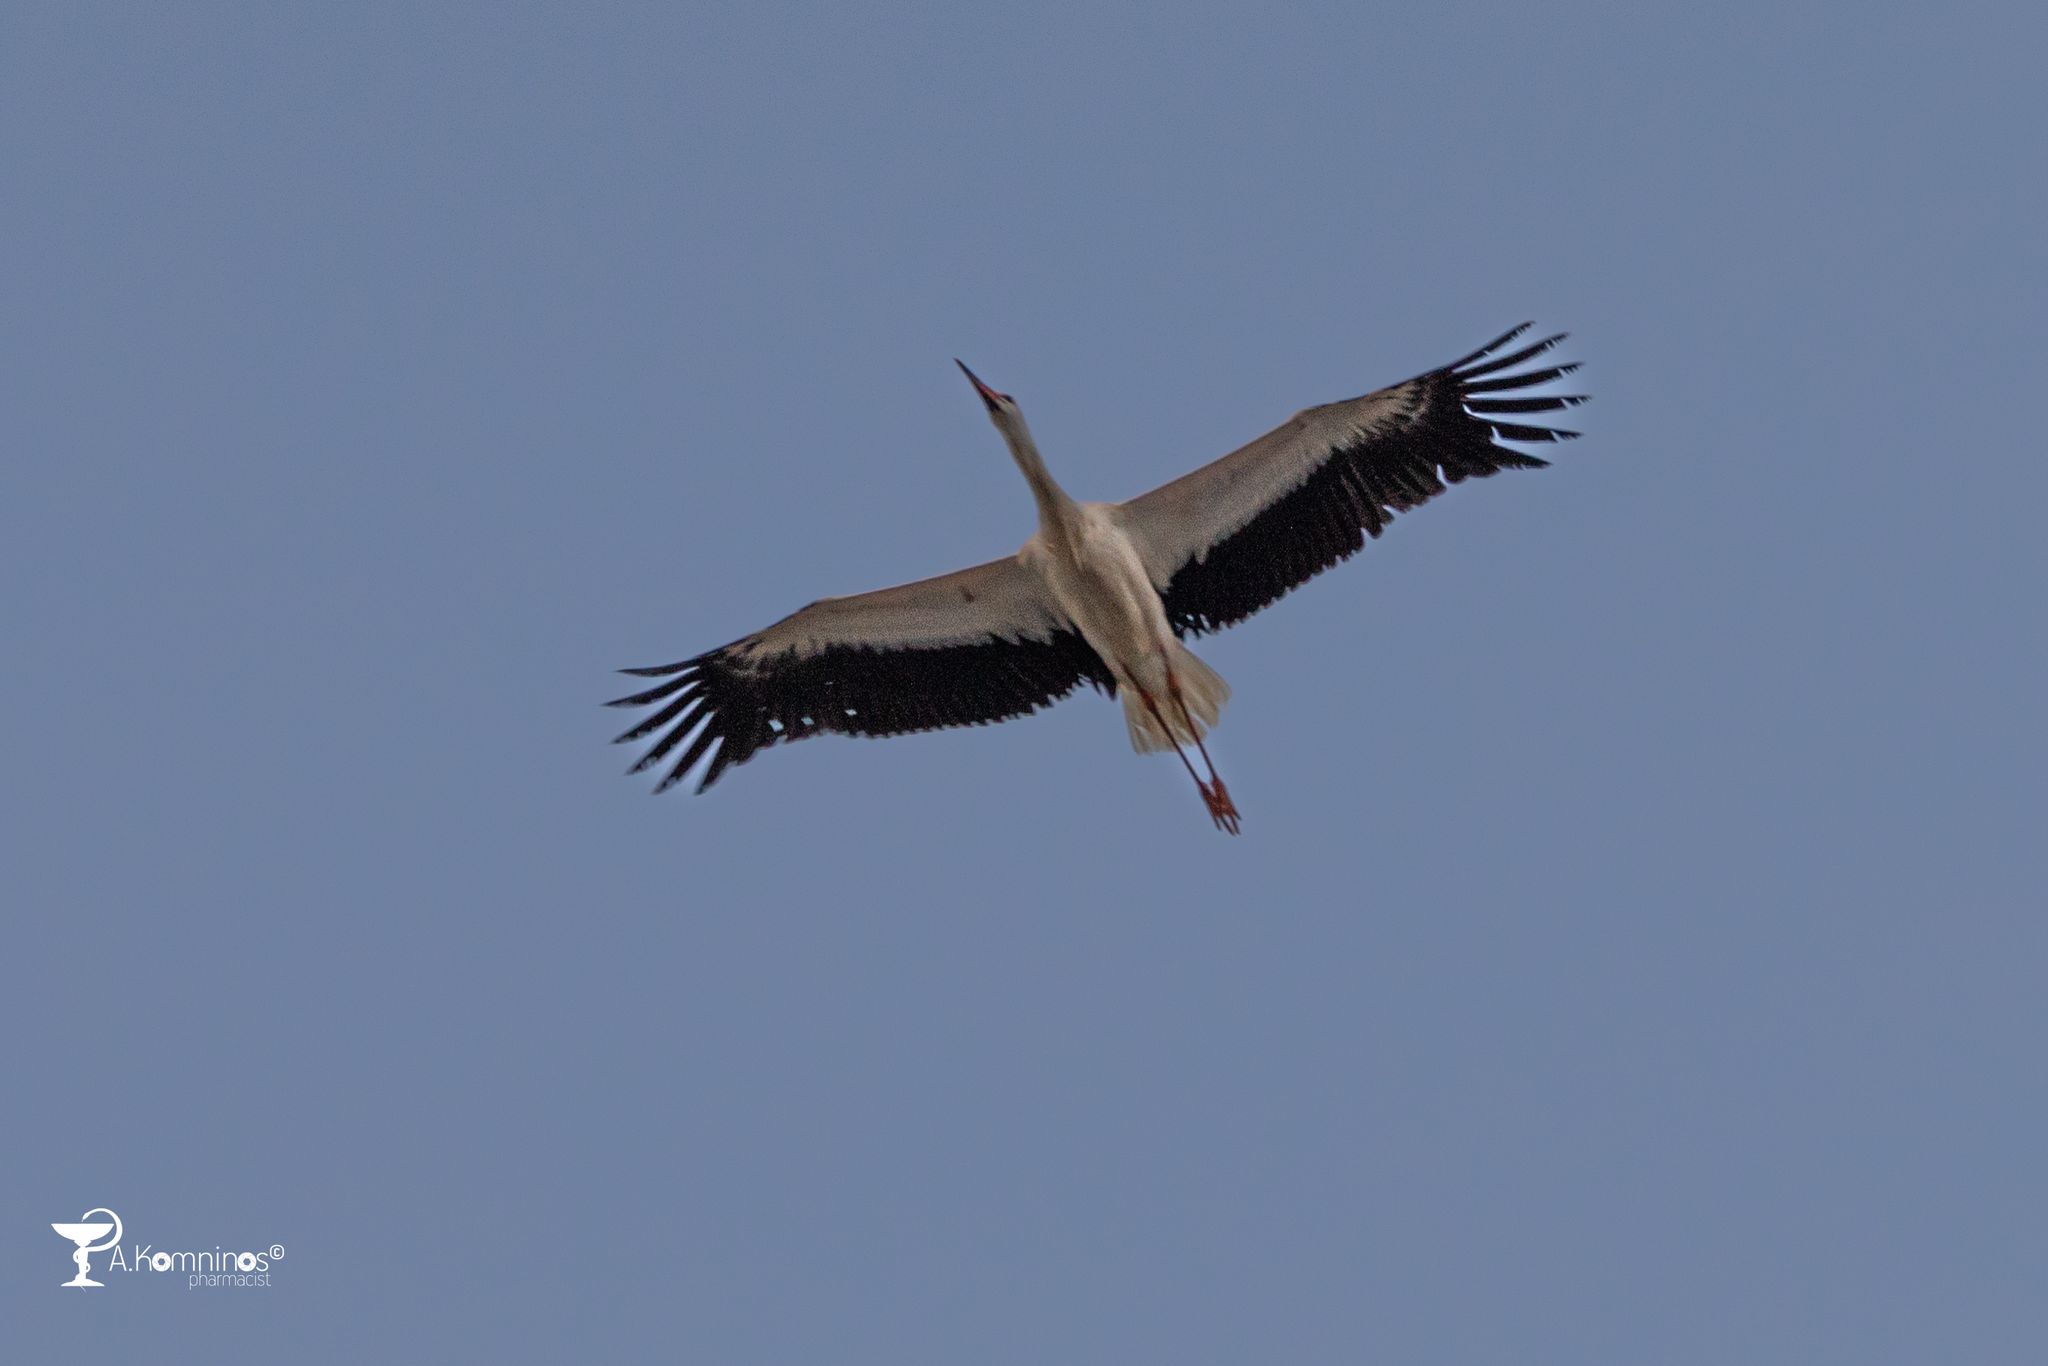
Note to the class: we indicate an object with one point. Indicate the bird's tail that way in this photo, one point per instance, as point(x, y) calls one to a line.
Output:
point(1201, 688)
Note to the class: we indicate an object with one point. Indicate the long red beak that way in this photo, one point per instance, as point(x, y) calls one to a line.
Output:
point(988, 395)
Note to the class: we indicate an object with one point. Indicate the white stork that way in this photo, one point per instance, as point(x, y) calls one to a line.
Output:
point(1104, 593)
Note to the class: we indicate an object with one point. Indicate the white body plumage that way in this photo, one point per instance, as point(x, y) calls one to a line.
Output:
point(1091, 567)
point(1105, 593)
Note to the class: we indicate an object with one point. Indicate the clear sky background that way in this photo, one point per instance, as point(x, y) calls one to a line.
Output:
point(1635, 950)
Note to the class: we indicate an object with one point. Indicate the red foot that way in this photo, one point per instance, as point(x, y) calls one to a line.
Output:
point(1221, 809)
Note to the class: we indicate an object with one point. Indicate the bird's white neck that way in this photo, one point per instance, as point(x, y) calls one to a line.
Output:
point(1057, 512)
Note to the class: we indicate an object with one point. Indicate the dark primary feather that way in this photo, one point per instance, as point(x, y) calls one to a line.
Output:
point(738, 709)
point(1451, 435)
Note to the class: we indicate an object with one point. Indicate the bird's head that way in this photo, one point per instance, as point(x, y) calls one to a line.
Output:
point(1002, 409)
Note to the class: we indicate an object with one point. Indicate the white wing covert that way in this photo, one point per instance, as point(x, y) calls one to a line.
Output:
point(963, 649)
point(1239, 533)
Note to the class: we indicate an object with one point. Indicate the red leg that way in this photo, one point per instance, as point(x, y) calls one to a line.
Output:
point(1225, 816)
point(1217, 795)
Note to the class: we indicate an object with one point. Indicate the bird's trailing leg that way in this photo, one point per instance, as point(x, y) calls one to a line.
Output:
point(1216, 794)
point(1222, 812)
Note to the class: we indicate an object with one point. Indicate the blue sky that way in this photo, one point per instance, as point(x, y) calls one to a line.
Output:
point(1634, 949)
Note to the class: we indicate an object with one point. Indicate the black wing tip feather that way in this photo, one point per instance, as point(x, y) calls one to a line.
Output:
point(1486, 398)
point(1475, 383)
point(729, 712)
point(1469, 369)
point(1456, 433)
point(1496, 344)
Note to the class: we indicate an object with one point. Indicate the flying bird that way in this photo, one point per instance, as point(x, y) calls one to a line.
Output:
point(1105, 593)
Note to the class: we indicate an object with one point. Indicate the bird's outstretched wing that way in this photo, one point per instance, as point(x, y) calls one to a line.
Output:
point(1235, 535)
point(963, 649)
